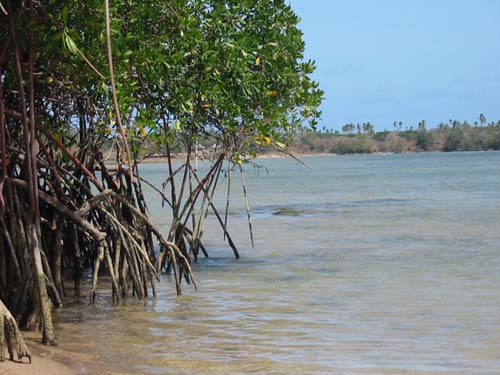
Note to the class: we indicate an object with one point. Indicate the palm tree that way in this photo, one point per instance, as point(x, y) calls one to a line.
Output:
point(348, 128)
point(421, 125)
point(369, 126)
point(482, 119)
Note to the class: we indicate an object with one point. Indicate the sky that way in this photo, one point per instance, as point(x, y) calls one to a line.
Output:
point(394, 60)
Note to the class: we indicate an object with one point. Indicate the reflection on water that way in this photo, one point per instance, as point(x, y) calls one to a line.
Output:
point(369, 265)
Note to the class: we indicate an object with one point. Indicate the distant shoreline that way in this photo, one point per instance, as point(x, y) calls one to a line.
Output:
point(276, 155)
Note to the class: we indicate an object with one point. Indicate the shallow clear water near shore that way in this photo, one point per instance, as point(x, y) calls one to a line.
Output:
point(374, 264)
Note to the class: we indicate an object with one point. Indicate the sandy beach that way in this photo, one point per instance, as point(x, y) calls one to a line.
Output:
point(46, 360)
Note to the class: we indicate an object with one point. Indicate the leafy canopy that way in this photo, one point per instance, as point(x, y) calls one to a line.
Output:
point(233, 69)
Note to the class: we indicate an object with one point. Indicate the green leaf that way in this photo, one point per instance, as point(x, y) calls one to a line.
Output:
point(70, 43)
point(65, 11)
point(280, 145)
point(177, 125)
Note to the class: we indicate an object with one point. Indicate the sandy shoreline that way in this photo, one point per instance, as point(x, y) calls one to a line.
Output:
point(46, 360)
point(164, 159)
point(272, 155)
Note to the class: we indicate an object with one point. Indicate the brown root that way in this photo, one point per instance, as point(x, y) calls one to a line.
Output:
point(10, 334)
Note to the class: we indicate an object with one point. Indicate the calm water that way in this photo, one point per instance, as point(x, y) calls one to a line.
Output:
point(378, 264)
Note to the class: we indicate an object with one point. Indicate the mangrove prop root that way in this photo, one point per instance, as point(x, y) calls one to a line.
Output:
point(247, 204)
point(10, 334)
point(64, 212)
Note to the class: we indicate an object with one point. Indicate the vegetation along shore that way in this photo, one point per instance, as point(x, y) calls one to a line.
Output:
point(362, 139)
point(91, 89)
point(85, 81)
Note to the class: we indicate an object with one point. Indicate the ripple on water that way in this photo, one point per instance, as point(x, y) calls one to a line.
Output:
point(373, 265)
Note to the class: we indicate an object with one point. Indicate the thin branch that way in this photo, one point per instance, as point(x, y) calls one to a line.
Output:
point(247, 204)
point(113, 90)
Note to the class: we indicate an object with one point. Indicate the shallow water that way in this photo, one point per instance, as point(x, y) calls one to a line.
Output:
point(377, 264)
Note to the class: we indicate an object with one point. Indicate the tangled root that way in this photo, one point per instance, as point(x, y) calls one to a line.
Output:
point(10, 333)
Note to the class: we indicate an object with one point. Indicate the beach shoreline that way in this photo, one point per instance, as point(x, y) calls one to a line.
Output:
point(164, 159)
point(272, 155)
point(45, 360)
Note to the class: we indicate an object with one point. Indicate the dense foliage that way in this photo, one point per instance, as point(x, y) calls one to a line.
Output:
point(226, 69)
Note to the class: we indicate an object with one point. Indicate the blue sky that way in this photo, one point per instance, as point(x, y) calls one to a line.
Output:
point(391, 60)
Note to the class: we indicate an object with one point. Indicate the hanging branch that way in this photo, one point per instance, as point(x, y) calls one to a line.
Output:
point(207, 196)
point(247, 204)
point(228, 195)
point(229, 239)
point(113, 90)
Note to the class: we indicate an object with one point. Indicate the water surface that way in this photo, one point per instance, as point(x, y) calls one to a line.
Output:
point(377, 264)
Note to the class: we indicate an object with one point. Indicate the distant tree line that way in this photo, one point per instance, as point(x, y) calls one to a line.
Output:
point(361, 138)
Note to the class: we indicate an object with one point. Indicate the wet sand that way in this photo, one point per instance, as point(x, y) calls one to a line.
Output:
point(46, 360)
